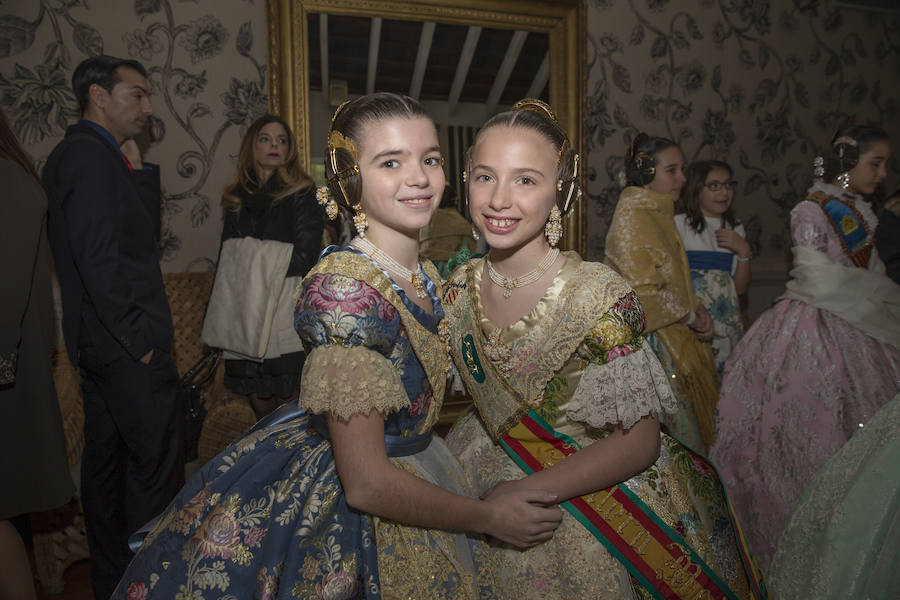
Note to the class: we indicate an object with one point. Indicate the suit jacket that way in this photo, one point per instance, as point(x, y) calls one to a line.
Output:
point(104, 229)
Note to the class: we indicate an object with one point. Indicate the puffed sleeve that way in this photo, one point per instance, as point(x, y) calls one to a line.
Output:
point(624, 381)
point(809, 226)
point(349, 331)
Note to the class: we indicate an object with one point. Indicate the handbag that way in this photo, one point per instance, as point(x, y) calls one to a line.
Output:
point(190, 392)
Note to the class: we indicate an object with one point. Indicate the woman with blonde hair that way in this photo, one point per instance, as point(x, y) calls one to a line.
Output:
point(271, 220)
point(348, 494)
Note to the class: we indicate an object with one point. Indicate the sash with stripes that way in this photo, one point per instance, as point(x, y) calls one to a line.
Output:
point(851, 229)
point(654, 554)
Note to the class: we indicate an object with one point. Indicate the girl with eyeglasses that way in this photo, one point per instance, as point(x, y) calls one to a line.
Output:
point(717, 251)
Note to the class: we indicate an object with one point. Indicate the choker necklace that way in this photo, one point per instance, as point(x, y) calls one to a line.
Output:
point(383, 259)
point(508, 283)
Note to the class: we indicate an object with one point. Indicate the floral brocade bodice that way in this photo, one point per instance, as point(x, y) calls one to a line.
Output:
point(378, 366)
point(584, 333)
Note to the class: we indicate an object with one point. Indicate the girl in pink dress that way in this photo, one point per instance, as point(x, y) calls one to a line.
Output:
point(817, 365)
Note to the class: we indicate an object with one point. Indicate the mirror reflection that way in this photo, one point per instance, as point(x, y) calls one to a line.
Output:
point(463, 74)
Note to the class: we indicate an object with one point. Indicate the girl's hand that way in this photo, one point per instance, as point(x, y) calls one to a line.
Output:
point(522, 518)
point(702, 325)
point(729, 239)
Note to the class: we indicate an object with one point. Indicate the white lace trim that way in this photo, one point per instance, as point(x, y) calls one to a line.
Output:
point(347, 381)
point(622, 391)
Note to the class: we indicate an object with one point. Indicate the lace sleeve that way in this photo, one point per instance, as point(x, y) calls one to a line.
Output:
point(624, 382)
point(327, 388)
point(348, 328)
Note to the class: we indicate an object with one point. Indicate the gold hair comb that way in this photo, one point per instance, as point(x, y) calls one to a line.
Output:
point(535, 105)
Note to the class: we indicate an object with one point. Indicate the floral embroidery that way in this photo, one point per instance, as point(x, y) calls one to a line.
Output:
point(330, 292)
point(619, 331)
point(420, 404)
point(137, 591)
point(268, 584)
point(555, 394)
point(219, 534)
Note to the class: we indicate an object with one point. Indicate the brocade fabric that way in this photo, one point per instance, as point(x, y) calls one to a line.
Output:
point(801, 382)
point(843, 540)
point(267, 518)
point(610, 363)
point(643, 245)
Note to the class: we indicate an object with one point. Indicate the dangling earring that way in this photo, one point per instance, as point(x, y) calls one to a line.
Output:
point(359, 220)
point(325, 199)
point(553, 229)
point(475, 233)
point(844, 179)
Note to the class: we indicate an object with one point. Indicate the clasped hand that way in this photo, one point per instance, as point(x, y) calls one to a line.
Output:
point(523, 516)
point(702, 325)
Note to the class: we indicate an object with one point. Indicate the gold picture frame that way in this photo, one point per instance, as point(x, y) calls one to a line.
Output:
point(562, 20)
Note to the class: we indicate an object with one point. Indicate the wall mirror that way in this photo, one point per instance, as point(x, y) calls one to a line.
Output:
point(464, 59)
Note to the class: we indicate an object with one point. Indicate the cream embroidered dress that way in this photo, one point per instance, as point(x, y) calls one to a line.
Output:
point(584, 379)
point(267, 518)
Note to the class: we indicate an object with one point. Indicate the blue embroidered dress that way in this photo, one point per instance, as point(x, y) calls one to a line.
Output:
point(267, 518)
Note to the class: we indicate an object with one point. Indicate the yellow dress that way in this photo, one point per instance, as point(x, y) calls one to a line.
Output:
point(643, 246)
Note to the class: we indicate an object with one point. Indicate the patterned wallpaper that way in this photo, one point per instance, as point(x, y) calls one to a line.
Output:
point(206, 64)
point(759, 84)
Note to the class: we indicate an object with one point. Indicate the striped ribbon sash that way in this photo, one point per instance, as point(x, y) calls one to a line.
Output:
point(654, 554)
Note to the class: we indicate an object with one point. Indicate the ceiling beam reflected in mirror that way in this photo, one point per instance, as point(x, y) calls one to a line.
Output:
point(430, 61)
point(422, 59)
point(462, 69)
point(509, 61)
point(374, 47)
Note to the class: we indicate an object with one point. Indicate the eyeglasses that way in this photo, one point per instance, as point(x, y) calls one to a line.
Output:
point(715, 186)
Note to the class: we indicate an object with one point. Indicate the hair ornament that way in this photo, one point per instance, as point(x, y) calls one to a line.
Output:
point(844, 139)
point(325, 199)
point(535, 105)
point(336, 140)
point(819, 166)
point(542, 108)
point(636, 143)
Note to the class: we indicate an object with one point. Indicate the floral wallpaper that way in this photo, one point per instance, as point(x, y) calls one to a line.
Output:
point(206, 66)
point(759, 84)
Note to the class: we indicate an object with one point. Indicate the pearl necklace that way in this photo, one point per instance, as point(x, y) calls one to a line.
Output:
point(508, 283)
point(383, 259)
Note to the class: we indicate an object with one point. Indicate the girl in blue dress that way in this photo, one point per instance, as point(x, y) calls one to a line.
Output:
point(348, 494)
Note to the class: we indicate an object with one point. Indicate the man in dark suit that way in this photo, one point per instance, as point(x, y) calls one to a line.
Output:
point(104, 227)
